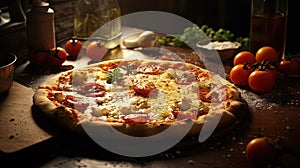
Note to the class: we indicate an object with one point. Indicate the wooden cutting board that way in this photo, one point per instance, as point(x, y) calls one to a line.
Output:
point(18, 130)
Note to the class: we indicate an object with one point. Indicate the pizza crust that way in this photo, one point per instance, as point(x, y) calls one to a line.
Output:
point(42, 102)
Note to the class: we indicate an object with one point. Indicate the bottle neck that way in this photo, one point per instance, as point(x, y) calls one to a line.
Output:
point(40, 6)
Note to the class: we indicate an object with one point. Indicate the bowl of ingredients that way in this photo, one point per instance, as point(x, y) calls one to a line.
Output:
point(225, 49)
point(7, 65)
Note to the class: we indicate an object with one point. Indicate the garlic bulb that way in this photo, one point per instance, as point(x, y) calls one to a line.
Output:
point(145, 39)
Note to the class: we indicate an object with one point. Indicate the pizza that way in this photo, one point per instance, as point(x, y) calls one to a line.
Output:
point(139, 97)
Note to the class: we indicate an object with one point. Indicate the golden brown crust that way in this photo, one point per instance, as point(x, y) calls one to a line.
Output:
point(73, 120)
point(60, 115)
point(41, 100)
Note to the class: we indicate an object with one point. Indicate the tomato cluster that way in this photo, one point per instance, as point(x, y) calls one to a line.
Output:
point(256, 71)
point(51, 57)
point(55, 57)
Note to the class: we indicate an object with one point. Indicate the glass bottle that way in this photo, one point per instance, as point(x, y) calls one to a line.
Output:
point(268, 25)
point(98, 19)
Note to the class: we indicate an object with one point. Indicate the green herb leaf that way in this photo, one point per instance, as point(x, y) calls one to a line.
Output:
point(129, 69)
point(112, 77)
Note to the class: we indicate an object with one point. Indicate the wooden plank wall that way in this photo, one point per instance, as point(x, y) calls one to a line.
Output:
point(64, 18)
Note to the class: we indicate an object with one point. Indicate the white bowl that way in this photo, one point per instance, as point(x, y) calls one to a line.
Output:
point(225, 49)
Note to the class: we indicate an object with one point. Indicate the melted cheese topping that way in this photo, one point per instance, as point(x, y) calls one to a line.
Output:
point(121, 100)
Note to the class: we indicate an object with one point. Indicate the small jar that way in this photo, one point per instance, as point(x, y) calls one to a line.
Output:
point(40, 26)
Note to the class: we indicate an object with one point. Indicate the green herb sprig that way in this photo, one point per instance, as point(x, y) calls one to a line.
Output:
point(116, 73)
point(194, 34)
point(113, 76)
point(129, 69)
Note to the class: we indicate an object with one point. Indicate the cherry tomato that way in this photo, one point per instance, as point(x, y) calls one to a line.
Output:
point(289, 66)
point(38, 58)
point(267, 53)
point(239, 75)
point(261, 81)
point(244, 57)
point(73, 47)
point(58, 56)
point(260, 151)
point(95, 51)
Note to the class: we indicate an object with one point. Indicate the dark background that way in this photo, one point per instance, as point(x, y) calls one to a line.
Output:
point(233, 15)
point(229, 14)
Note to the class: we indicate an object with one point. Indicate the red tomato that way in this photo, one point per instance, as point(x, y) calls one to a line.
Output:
point(73, 47)
point(58, 56)
point(268, 54)
point(244, 57)
point(261, 81)
point(289, 66)
point(239, 75)
point(260, 151)
point(38, 58)
point(95, 51)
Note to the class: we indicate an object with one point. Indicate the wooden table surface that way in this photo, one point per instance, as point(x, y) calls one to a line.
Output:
point(275, 114)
